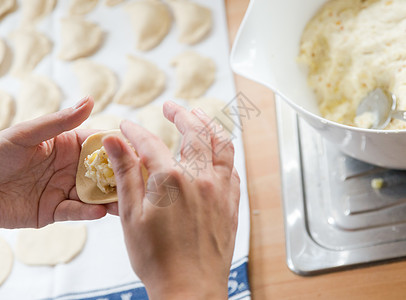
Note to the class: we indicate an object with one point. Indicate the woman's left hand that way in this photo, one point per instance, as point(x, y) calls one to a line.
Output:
point(38, 163)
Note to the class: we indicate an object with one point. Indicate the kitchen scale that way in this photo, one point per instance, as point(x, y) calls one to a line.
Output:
point(334, 218)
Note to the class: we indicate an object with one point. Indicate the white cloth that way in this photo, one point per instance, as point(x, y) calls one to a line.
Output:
point(102, 270)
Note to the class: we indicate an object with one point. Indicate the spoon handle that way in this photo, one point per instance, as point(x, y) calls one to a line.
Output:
point(399, 114)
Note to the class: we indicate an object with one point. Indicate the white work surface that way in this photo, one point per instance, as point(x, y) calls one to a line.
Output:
point(102, 270)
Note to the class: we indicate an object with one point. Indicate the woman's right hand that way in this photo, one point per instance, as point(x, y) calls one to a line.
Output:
point(179, 230)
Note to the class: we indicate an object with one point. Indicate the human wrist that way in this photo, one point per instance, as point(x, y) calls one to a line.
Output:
point(188, 289)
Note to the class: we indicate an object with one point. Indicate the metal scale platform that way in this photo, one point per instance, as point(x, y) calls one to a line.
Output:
point(333, 217)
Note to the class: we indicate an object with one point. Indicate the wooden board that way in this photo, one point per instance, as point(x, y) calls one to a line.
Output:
point(270, 278)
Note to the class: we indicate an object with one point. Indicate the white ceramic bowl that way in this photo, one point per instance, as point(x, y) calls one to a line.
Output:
point(265, 50)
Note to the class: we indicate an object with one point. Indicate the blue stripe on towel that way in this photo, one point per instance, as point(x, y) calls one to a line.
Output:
point(238, 288)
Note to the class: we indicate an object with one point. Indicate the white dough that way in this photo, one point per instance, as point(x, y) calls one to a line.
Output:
point(194, 74)
point(113, 2)
point(82, 7)
point(152, 118)
point(143, 82)
point(193, 21)
point(51, 245)
point(38, 96)
point(7, 109)
point(6, 6)
point(30, 47)
point(103, 122)
point(6, 260)
point(96, 80)
point(215, 109)
point(151, 20)
point(35, 10)
point(80, 38)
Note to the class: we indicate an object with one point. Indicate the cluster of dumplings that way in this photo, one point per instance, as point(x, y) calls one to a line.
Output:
point(143, 81)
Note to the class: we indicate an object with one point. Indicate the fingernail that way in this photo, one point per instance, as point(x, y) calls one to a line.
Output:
point(81, 103)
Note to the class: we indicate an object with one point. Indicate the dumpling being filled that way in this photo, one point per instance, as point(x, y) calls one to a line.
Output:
point(7, 109)
point(152, 119)
point(95, 178)
point(194, 74)
point(38, 96)
point(82, 7)
point(30, 47)
point(96, 80)
point(151, 20)
point(35, 10)
point(80, 38)
point(6, 7)
point(143, 82)
point(193, 21)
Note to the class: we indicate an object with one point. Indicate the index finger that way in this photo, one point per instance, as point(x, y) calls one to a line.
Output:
point(196, 135)
point(153, 153)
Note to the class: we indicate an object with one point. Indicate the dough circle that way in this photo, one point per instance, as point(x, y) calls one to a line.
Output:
point(86, 188)
point(51, 245)
point(6, 260)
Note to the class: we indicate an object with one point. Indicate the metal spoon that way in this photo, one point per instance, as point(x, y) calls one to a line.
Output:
point(382, 105)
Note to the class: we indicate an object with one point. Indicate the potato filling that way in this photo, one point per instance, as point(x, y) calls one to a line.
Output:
point(100, 170)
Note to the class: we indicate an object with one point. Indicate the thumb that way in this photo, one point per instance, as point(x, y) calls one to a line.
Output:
point(127, 170)
point(34, 132)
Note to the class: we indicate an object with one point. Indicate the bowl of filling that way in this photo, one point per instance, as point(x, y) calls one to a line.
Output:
point(324, 58)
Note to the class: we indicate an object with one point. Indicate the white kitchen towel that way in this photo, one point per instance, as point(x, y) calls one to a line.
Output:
point(102, 270)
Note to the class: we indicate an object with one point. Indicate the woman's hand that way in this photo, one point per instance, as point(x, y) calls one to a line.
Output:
point(38, 162)
point(180, 244)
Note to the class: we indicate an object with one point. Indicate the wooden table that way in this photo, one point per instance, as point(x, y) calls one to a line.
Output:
point(270, 278)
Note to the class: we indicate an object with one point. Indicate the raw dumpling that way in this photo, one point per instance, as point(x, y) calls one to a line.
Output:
point(51, 245)
point(216, 109)
point(80, 38)
point(86, 188)
point(102, 122)
point(152, 118)
point(35, 10)
point(38, 96)
point(82, 7)
point(142, 84)
point(151, 20)
point(113, 2)
point(193, 21)
point(96, 80)
point(6, 261)
point(7, 6)
point(194, 74)
point(7, 110)
point(30, 47)
point(5, 57)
